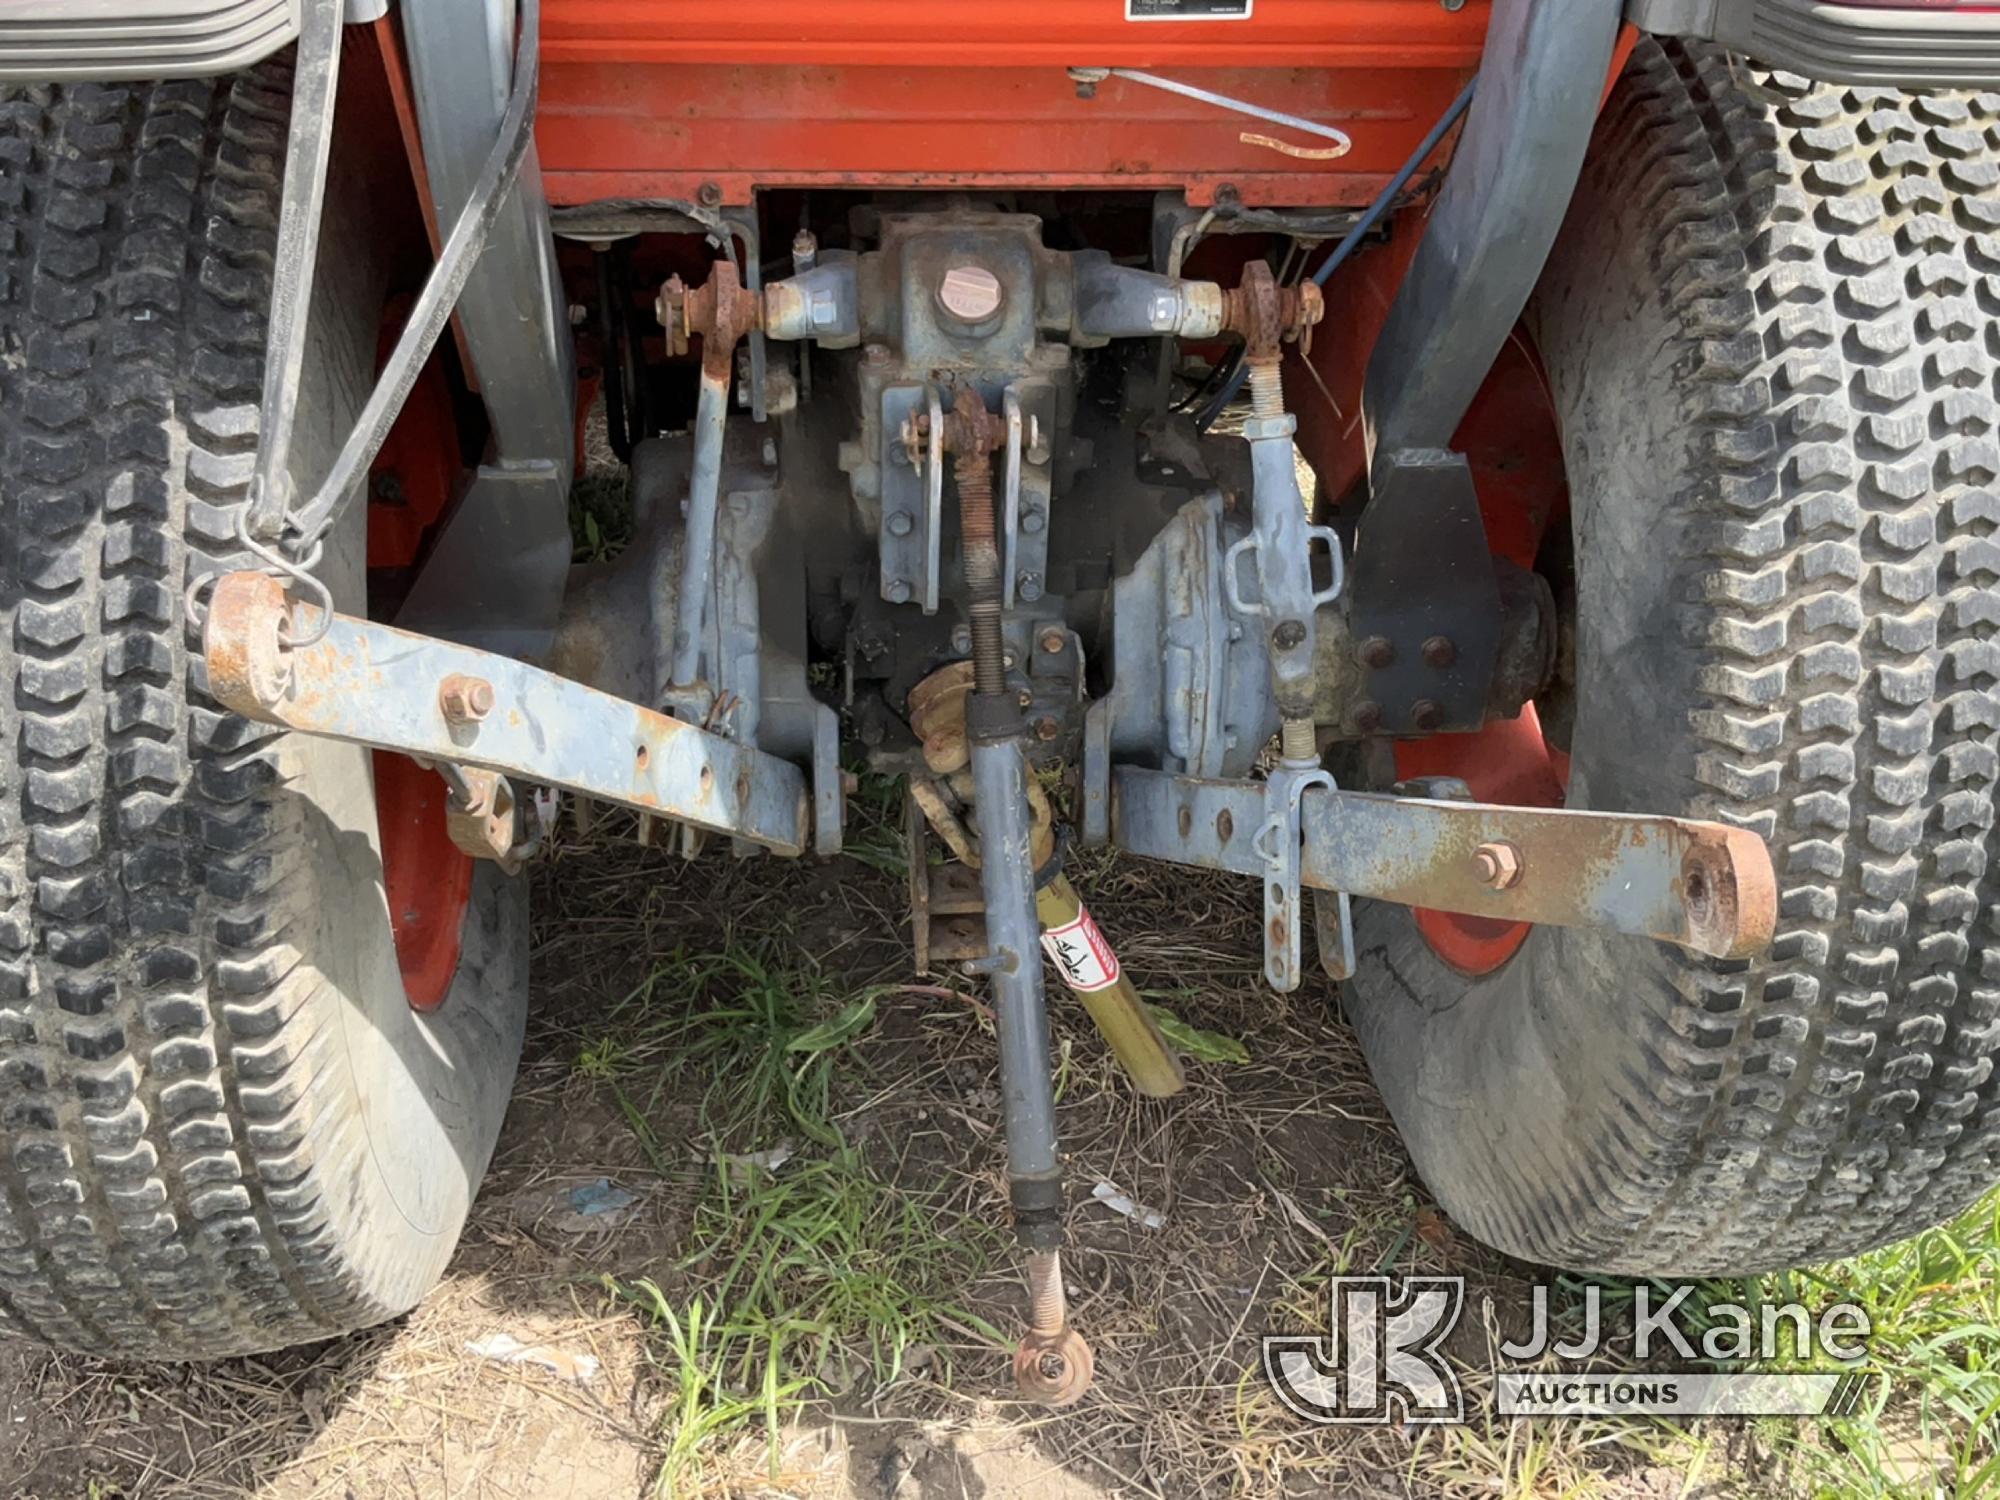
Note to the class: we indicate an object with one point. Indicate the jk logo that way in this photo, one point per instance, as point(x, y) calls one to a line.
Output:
point(1381, 1360)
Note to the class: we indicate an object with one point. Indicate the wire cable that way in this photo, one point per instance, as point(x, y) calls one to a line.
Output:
point(1384, 201)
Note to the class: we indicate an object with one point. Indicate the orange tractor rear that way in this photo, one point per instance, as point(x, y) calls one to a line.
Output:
point(1519, 473)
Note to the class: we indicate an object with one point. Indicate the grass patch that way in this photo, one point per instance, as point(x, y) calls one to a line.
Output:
point(809, 1278)
point(1931, 1424)
point(600, 517)
point(874, 834)
point(1933, 1427)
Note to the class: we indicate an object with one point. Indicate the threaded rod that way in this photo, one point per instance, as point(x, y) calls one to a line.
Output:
point(1046, 1312)
point(1267, 387)
point(972, 468)
point(1296, 740)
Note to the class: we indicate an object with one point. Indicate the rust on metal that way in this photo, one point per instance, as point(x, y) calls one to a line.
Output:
point(249, 668)
point(721, 311)
point(482, 824)
point(1265, 315)
point(1054, 1369)
point(464, 699)
point(1705, 886)
point(947, 909)
point(368, 684)
point(1728, 896)
point(969, 429)
point(1439, 651)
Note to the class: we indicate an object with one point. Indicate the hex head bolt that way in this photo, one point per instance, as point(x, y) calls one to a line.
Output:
point(464, 700)
point(1498, 864)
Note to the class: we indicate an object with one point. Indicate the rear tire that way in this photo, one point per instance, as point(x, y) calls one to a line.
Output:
point(222, 1127)
point(1769, 327)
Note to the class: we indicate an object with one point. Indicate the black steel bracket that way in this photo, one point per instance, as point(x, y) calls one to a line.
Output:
point(1425, 603)
point(1423, 599)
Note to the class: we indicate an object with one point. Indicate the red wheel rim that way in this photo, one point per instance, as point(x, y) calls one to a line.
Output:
point(1509, 762)
point(1511, 442)
point(427, 878)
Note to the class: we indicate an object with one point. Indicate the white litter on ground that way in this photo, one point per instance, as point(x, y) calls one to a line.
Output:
point(1118, 1203)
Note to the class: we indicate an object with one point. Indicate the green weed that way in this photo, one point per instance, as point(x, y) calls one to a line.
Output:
point(803, 1281)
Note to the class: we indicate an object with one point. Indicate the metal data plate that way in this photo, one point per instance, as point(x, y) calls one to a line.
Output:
point(373, 685)
point(1704, 886)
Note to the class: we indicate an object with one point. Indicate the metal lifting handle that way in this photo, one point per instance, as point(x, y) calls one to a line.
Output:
point(1232, 573)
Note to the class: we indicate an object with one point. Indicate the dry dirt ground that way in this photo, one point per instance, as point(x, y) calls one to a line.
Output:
point(1271, 1173)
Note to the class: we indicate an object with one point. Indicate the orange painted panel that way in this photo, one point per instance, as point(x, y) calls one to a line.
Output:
point(1011, 33)
point(651, 98)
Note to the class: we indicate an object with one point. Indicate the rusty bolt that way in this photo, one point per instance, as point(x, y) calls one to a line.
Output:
point(1498, 864)
point(1376, 651)
point(875, 354)
point(1439, 651)
point(1367, 716)
point(1052, 641)
point(1046, 728)
point(709, 195)
point(1289, 635)
point(1024, 697)
point(1426, 715)
point(465, 700)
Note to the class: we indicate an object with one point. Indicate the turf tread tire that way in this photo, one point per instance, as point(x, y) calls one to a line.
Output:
point(1770, 330)
point(182, 1162)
